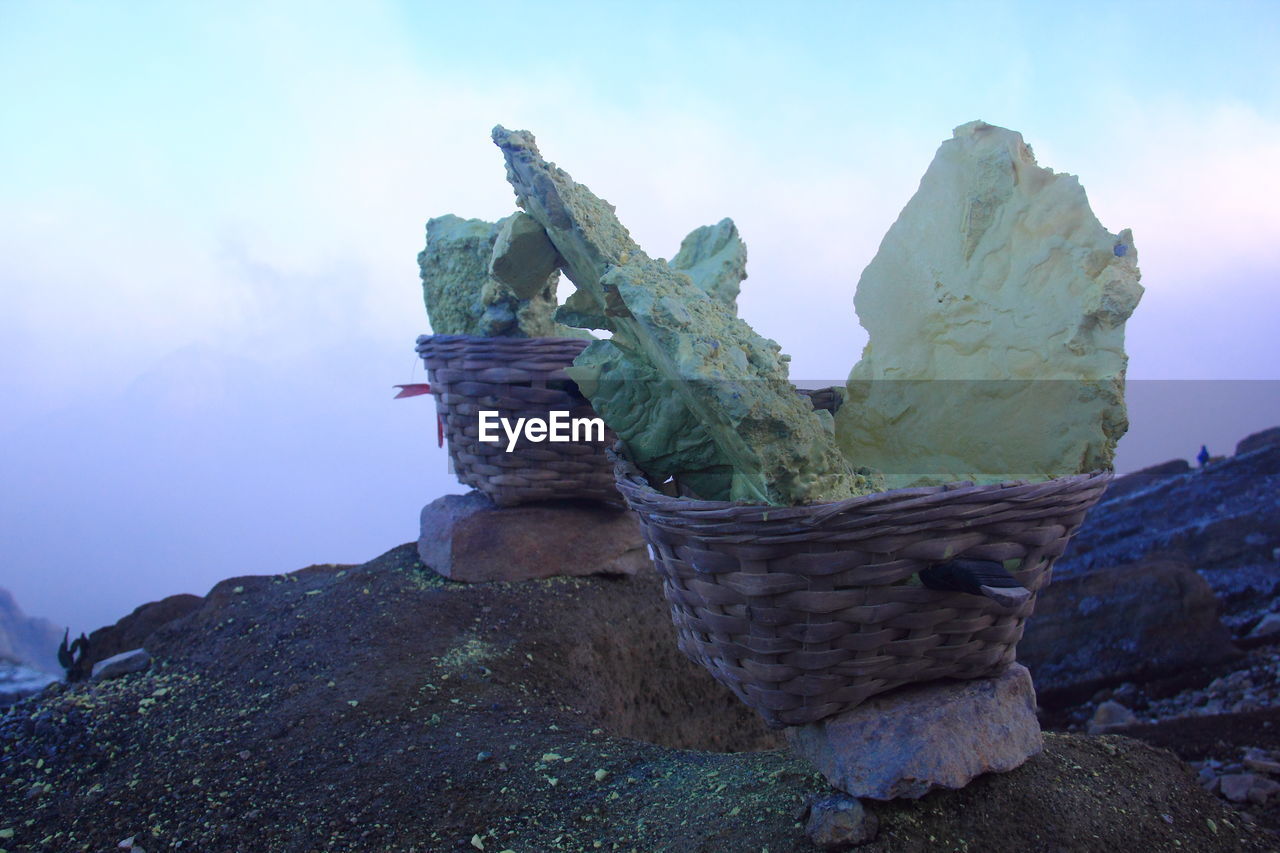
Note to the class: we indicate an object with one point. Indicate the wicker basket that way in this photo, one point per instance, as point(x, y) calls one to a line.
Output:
point(518, 378)
point(798, 609)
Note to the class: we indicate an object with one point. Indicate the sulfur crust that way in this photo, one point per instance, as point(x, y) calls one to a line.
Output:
point(723, 388)
point(461, 296)
point(995, 309)
point(715, 259)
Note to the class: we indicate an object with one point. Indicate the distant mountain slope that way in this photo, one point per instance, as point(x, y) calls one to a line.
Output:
point(28, 639)
point(1222, 519)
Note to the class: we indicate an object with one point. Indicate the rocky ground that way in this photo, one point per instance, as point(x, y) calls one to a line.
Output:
point(1163, 621)
point(382, 707)
point(1224, 721)
point(1223, 520)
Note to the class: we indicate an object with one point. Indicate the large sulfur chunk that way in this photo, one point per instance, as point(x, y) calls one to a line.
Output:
point(523, 258)
point(461, 296)
point(715, 257)
point(689, 386)
point(995, 309)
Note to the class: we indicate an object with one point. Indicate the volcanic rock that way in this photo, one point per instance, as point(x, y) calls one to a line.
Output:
point(132, 631)
point(1111, 715)
point(1269, 626)
point(1258, 440)
point(1256, 759)
point(907, 742)
point(1145, 478)
point(1248, 788)
point(124, 663)
point(1122, 624)
point(467, 538)
point(839, 822)
point(1222, 520)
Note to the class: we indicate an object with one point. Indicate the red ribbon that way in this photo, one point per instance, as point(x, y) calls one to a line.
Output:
point(412, 390)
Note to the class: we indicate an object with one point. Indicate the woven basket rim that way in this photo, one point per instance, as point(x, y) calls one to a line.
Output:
point(551, 343)
point(434, 336)
point(638, 490)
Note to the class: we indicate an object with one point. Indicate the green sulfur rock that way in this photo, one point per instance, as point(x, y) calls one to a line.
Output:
point(689, 386)
point(715, 258)
point(461, 296)
point(523, 258)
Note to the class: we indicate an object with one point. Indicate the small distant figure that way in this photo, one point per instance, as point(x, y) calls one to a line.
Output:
point(1203, 456)
point(72, 658)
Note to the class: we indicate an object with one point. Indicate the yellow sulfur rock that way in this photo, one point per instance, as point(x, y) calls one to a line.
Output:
point(995, 309)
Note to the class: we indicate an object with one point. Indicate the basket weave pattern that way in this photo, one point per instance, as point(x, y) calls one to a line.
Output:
point(798, 610)
point(518, 378)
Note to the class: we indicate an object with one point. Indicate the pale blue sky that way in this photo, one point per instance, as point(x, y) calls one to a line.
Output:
point(196, 193)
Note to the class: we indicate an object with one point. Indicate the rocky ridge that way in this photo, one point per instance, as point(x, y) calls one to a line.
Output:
point(1223, 520)
point(1173, 586)
point(384, 707)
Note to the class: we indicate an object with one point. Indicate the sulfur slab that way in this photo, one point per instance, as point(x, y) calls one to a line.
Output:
point(995, 309)
point(690, 387)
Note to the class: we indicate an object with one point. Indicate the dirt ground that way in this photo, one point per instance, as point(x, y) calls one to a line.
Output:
point(383, 708)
